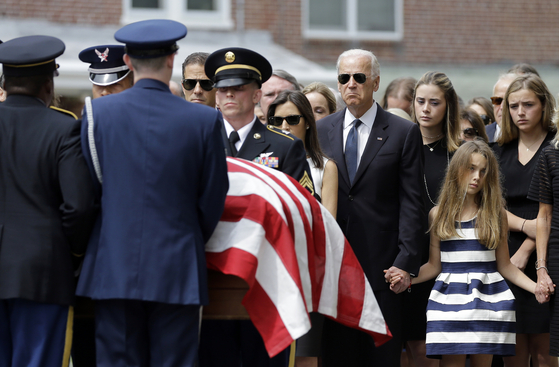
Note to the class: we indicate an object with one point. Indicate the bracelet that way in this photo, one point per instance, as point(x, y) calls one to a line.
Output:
point(538, 262)
point(542, 267)
point(523, 223)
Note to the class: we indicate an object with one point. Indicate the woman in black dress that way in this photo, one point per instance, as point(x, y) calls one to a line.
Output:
point(436, 112)
point(545, 190)
point(526, 129)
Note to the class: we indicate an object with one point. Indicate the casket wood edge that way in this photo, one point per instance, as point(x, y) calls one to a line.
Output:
point(226, 293)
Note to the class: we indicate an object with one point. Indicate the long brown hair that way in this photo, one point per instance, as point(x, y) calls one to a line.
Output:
point(489, 222)
point(451, 125)
point(533, 83)
point(304, 106)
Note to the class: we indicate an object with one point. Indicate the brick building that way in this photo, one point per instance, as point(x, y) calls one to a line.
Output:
point(465, 38)
point(402, 31)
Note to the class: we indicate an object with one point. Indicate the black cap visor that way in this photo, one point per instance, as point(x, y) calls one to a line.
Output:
point(234, 82)
point(109, 78)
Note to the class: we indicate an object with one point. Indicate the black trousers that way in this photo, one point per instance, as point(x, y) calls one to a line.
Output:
point(344, 346)
point(236, 343)
point(140, 333)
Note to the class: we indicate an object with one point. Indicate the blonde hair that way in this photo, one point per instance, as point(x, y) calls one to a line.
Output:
point(533, 83)
point(489, 222)
point(451, 124)
point(323, 89)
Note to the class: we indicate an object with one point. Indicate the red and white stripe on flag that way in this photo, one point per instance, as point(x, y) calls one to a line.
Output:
point(292, 254)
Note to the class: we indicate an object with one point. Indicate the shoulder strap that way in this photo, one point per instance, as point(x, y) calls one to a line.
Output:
point(91, 139)
point(70, 113)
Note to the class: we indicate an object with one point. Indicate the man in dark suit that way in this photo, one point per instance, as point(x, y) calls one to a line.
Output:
point(494, 130)
point(47, 208)
point(238, 74)
point(196, 86)
point(380, 208)
point(164, 181)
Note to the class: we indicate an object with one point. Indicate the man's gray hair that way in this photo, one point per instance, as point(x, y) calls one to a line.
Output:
point(290, 78)
point(506, 76)
point(356, 52)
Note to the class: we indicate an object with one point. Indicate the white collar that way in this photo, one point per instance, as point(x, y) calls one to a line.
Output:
point(368, 117)
point(243, 131)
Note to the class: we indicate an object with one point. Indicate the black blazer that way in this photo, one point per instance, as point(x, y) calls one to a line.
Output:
point(382, 213)
point(46, 201)
point(289, 151)
point(490, 130)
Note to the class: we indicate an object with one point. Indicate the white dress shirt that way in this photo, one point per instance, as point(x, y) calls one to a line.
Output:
point(363, 130)
point(243, 132)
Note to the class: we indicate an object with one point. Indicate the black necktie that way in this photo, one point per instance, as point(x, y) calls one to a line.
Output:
point(233, 138)
point(351, 150)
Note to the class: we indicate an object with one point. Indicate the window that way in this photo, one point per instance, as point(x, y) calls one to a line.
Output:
point(195, 14)
point(353, 19)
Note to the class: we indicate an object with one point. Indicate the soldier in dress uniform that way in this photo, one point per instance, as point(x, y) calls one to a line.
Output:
point(109, 75)
point(164, 180)
point(238, 74)
point(107, 71)
point(46, 207)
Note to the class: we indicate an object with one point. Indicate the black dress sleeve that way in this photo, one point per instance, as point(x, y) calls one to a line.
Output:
point(541, 189)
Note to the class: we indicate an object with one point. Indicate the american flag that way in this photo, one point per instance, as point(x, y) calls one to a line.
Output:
point(292, 254)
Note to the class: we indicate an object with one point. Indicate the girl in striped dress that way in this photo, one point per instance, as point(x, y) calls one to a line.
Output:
point(470, 309)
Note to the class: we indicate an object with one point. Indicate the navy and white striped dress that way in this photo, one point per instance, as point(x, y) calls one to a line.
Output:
point(471, 308)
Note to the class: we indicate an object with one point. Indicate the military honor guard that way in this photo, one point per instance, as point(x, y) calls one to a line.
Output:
point(159, 165)
point(107, 71)
point(238, 74)
point(46, 208)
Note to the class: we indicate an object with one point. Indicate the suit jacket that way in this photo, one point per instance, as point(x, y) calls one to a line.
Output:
point(163, 193)
point(490, 130)
point(382, 213)
point(270, 142)
point(46, 201)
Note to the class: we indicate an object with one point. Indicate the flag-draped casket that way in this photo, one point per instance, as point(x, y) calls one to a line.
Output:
point(293, 255)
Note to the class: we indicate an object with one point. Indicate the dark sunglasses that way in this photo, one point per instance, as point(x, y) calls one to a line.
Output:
point(486, 120)
point(496, 101)
point(278, 120)
point(470, 132)
point(190, 84)
point(358, 77)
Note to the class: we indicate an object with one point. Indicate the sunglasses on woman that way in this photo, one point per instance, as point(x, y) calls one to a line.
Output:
point(470, 132)
point(278, 120)
point(190, 84)
point(486, 120)
point(358, 77)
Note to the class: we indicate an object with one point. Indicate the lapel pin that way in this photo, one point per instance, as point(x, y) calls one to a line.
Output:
point(257, 136)
point(379, 138)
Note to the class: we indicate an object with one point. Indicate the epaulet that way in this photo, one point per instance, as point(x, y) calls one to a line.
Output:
point(278, 131)
point(64, 111)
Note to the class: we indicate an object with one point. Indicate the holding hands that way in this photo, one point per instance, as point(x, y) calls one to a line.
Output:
point(544, 286)
point(399, 279)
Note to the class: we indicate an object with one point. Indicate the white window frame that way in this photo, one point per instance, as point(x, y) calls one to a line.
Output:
point(352, 33)
point(219, 19)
